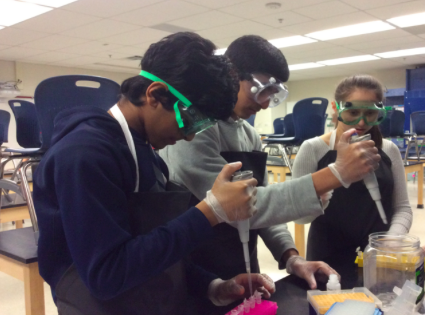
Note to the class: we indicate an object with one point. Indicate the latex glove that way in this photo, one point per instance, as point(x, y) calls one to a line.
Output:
point(232, 201)
point(309, 270)
point(354, 161)
point(325, 199)
point(223, 293)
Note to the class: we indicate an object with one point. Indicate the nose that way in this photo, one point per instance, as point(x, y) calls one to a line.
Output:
point(189, 137)
point(361, 123)
point(265, 104)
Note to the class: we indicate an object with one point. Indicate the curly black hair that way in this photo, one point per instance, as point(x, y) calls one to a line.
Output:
point(187, 62)
point(254, 54)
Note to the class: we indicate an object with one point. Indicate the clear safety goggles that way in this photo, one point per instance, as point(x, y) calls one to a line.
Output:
point(190, 119)
point(273, 90)
point(351, 113)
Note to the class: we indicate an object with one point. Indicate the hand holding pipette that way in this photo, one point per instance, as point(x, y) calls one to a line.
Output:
point(224, 292)
point(371, 182)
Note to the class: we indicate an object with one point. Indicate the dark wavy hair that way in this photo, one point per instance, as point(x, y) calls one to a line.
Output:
point(187, 62)
point(254, 54)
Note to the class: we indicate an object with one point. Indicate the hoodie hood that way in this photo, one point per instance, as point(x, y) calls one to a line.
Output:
point(70, 119)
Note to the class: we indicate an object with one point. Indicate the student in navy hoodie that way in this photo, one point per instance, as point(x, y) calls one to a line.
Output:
point(113, 234)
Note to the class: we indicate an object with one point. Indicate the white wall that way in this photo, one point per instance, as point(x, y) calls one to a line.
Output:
point(32, 74)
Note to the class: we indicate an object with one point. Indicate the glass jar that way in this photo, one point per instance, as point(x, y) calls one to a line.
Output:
point(390, 260)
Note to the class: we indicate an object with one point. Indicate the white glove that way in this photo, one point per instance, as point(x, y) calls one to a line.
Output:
point(309, 270)
point(325, 199)
point(232, 201)
point(354, 161)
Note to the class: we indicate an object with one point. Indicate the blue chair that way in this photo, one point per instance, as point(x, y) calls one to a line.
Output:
point(4, 125)
point(278, 126)
point(288, 130)
point(385, 125)
point(418, 128)
point(251, 120)
point(308, 116)
point(27, 129)
point(51, 97)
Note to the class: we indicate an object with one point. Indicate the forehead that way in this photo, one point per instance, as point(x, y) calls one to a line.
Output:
point(362, 95)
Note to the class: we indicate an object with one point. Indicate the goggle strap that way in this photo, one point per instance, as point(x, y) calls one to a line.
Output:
point(173, 91)
point(337, 106)
point(178, 115)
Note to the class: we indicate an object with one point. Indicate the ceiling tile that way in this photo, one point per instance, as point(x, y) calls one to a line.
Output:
point(377, 50)
point(257, 8)
point(325, 10)
point(89, 48)
point(56, 21)
point(48, 57)
point(111, 68)
point(373, 37)
point(109, 55)
point(271, 33)
point(107, 9)
point(13, 36)
point(81, 60)
point(160, 13)
point(401, 41)
point(16, 53)
point(282, 19)
point(328, 23)
point(368, 4)
point(4, 47)
point(206, 20)
point(130, 50)
point(136, 37)
point(408, 60)
point(216, 3)
point(234, 30)
point(400, 9)
point(54, 42)
point(101, 29)
point(134, 64)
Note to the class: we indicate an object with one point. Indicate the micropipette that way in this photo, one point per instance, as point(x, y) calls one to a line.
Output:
point(370, 180)
point(243, 229)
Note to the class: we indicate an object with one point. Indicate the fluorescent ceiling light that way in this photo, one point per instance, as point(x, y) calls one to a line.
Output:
point(408, 20)
point(291, 41)
point(351, 30)
point(400, 53)
point(301, 66)
point(12, 12)
point(220, 51)
point(1, 27)
point(341, 61)
point(51, 3)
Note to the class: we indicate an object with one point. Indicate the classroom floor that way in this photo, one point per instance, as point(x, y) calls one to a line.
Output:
point(12, 290)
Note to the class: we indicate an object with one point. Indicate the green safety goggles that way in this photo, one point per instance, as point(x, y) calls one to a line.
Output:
point(189, 118)
point(351, 113)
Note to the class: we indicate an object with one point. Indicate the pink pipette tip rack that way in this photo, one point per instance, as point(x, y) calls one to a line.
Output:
point(255, 306)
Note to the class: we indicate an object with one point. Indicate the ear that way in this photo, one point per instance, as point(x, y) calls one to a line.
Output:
point(150, 92)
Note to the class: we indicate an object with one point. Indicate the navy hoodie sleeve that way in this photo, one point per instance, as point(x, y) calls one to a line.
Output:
point(93, 205)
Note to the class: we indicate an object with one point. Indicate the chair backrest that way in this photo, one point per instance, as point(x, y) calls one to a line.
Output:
point(251, 120)
point(289, 125)
point(58, 93)
point(418, 122)
point(4, 125)
point(397, 118)
point(309, 114)
point(385, 125)
point(27, 129)
point(279, 125)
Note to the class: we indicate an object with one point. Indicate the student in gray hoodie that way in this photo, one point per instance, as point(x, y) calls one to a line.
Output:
point(196, 164)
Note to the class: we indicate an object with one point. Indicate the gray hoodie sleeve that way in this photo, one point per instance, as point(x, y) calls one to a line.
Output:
point(196, 165)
